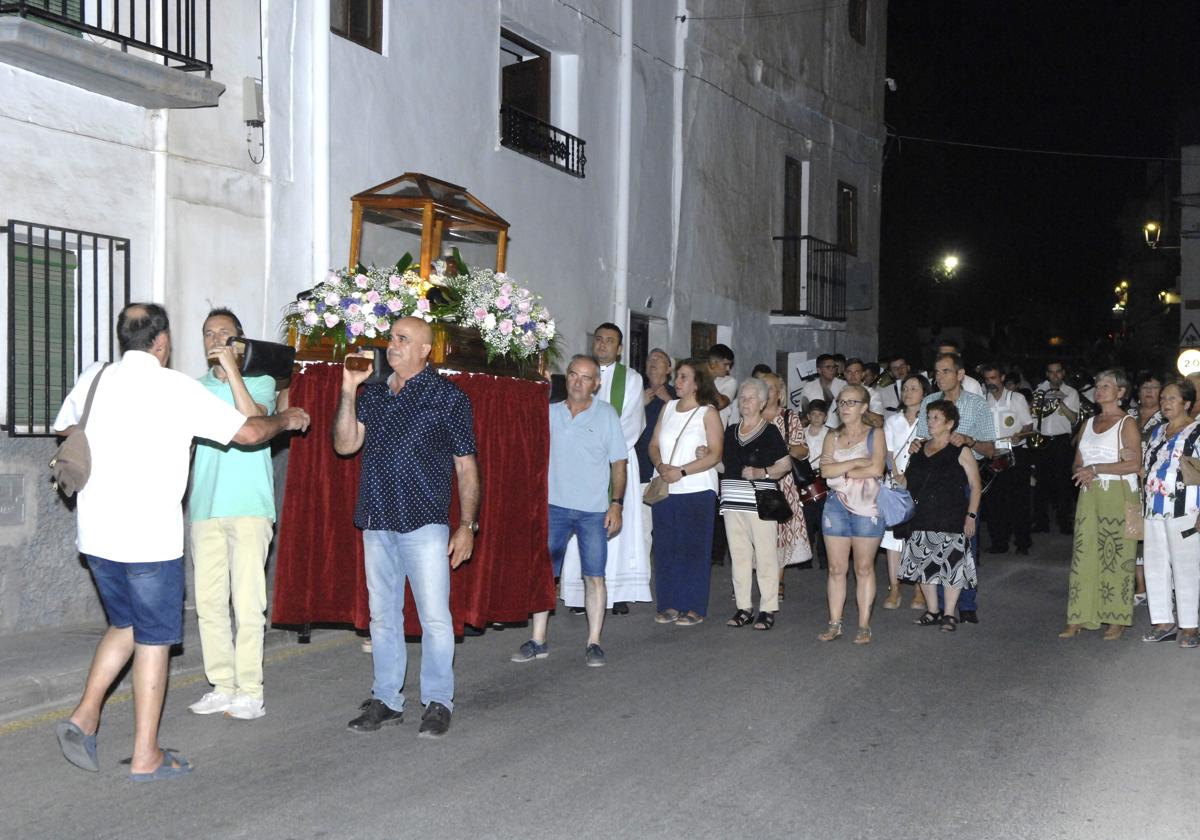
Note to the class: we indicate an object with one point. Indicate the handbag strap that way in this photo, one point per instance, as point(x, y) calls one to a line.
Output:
point(679, 436)
point(87, 406)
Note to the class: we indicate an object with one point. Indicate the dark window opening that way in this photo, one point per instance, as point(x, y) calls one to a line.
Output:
point(847, 218)
point(857, 22)
point(360, 21)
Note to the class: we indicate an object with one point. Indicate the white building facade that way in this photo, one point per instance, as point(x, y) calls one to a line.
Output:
point(696, 173)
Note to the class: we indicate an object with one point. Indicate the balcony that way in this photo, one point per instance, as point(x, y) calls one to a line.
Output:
point(153, 53)
point(539, 140)
point(814, 279)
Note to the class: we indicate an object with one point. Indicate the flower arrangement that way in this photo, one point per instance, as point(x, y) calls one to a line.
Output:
point(364, 301)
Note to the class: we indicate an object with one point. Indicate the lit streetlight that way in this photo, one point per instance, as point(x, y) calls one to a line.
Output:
point(950, 263)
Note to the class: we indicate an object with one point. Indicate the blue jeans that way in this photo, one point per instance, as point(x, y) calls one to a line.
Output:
point(589, 530)
point(421, 556)
point(145, 596)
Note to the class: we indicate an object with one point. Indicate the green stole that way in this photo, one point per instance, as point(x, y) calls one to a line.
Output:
point(616, 398)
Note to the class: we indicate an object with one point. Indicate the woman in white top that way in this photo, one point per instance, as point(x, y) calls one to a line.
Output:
point(899, 429)
point(1172, 515)
point(1106, 465)
point(685, 449)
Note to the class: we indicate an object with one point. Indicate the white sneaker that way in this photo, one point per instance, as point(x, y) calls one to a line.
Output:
point(366, 645)
point(245, 707)
point(211, 703)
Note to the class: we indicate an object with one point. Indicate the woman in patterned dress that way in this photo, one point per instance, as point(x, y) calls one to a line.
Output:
point(1107, 461)
point(938, 551)
point(792, 545)
point(1149, 418)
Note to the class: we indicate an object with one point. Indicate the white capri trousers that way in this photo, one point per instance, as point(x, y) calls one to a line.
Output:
point(1173, 568)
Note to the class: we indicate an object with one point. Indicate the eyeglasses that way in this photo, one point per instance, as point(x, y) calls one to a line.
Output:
point(844, 403)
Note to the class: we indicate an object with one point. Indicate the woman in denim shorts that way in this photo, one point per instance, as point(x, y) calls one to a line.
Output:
point(852, 465)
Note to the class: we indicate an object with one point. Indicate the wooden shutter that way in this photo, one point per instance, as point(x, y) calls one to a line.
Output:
point(43, 304)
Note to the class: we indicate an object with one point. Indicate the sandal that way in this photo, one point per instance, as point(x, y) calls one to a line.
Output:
point(832, 631)
point(949, 624)
point(740, 619)
point(929, 619)
point(765, 621)
point(863, 636)
point(688, 619)
point(667, 616)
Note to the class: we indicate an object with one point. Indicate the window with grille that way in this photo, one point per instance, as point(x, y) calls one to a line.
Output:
point(65, 288)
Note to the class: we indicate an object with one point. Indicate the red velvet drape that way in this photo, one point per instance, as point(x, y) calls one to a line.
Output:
point(319, 571)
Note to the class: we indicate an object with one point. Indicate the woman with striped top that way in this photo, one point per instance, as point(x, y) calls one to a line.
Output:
point(1171, 507)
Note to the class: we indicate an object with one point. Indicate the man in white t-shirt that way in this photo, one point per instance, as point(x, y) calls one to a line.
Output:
point(1006, 505)
point(825, 387)
point(140, 428)
point(720, 367)
point(1052, 461)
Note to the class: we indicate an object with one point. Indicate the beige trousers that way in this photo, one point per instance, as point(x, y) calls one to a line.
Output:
point(230, 558)
point(752, 548)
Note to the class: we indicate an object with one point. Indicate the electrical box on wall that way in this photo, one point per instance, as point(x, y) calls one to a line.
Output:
point(252, 102)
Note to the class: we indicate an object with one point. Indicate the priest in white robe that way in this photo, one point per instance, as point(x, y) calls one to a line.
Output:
point(627, 574)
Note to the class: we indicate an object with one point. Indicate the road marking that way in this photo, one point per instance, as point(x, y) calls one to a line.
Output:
point(280, 655)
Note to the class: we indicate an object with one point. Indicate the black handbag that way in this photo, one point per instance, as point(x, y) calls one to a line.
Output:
point(802, 471)
point(771, 503)
point(265, 358)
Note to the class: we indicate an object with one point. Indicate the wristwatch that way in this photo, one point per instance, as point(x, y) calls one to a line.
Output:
point(972, 515)
point(472, 524)
point(682, 471)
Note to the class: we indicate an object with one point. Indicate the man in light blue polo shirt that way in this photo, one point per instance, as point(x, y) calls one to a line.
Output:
point(232, 512)
point(588, 461)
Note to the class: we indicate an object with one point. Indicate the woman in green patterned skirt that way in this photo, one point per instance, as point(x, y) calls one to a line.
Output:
point(1102, 564)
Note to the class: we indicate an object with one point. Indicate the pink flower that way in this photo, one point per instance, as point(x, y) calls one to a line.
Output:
point(330, 319)
point(506, 289)
point(521, 319)
point(423, 305)
point(356, 328)
point(395, 305)
point(362, 281)
point(331, 299)
point(506, 327)
point(310, 318)
point(373, 296)
point(480, 313)
point(502, 302)
point(525, 305)
point(353, 309)
point(395, 282)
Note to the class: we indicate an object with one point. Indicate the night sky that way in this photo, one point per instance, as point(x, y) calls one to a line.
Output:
point(1043, 238)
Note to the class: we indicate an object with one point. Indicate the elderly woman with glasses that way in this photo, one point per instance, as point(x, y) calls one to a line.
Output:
point(852, 464)
point(1107, 461)
point(754, 451)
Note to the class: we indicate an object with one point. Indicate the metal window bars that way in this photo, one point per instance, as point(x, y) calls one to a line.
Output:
point(539, 140)
point(814, 278)
point(65, 288)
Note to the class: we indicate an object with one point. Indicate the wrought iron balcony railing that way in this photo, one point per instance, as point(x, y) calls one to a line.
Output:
point(814, 278)
point(177, 31)
point(528, 135)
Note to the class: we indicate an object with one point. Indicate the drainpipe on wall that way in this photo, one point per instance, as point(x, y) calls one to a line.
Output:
point(624, 140)
point(677, 147)
point(158, 281)
point(320, 139)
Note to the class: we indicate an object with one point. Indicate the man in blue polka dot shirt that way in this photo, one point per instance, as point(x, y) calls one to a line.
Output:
point(417, 434)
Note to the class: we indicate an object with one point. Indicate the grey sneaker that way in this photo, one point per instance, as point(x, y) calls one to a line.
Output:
point(530, 651)
point(212, 703)
point(594, 656)
point(375, 714)
point(435, 722)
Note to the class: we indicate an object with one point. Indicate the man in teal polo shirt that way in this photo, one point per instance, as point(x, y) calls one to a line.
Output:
point(588, 459)
point(232, 512)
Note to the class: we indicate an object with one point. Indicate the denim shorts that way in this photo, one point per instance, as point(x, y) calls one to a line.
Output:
point(145, 596)
point(592, 536)
point(836, 521)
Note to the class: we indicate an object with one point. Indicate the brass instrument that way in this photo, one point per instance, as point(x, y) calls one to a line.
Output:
point(1043, 405)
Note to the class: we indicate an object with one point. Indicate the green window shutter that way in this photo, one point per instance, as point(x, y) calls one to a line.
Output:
point(71, 9)
point(44, 310)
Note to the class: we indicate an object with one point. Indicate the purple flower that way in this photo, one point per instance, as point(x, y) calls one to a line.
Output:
point(529, 326)
point(320, 306)
point(380, 310)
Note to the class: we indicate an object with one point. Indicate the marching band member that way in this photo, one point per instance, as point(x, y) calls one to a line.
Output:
point(1006, 503)
point(1057, 405)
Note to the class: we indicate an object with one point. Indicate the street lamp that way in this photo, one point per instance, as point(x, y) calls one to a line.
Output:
point(949, 263)
point(1152, 232)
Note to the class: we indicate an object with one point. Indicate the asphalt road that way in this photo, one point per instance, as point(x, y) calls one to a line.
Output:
point(1000, 730)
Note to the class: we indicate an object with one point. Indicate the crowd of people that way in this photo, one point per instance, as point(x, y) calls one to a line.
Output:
point(651, 478)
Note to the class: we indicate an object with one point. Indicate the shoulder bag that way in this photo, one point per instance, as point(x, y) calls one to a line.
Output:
point(71, 466)
point(895, 502)
point(658, 489)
